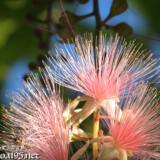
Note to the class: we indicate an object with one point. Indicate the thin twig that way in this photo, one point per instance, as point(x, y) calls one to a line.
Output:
point(97, 16)
point(106, 20)
point(146, 37)
point(87, 15)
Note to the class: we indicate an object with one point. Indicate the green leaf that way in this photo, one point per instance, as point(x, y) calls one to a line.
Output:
point(65, 33)
point(72, 18)
point(123, 29)
point(118, 7)
point(87, 125)
point(15, 4)
point(6, 30)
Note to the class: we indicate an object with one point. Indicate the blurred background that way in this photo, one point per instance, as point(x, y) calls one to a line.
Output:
point(30, 28)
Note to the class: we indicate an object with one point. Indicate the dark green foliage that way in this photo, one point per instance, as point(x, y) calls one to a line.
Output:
point(118, 7)
point(83, 1)
point(72, 19)
point(150, 10)
point(123, 29)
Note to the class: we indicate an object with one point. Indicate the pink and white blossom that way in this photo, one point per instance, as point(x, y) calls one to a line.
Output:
point(109, 71)
point(106, 72)
point(36, 118)
point(136, 134)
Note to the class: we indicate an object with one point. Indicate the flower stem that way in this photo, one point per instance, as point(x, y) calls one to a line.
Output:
point(95, 132)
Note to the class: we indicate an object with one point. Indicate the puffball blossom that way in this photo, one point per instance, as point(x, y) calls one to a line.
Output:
point(137, 133)
point(36, 119)
point(110, 70)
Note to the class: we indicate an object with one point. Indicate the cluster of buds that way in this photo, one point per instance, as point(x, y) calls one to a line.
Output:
point(112, 76)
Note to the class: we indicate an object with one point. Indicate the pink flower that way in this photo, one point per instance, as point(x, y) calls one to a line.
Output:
point(112, 73)
point(36, 119)
point(137, 133)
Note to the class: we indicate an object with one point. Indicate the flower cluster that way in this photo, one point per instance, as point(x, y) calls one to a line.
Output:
point(136, 133)
point(36, 120)
point(112, 76)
